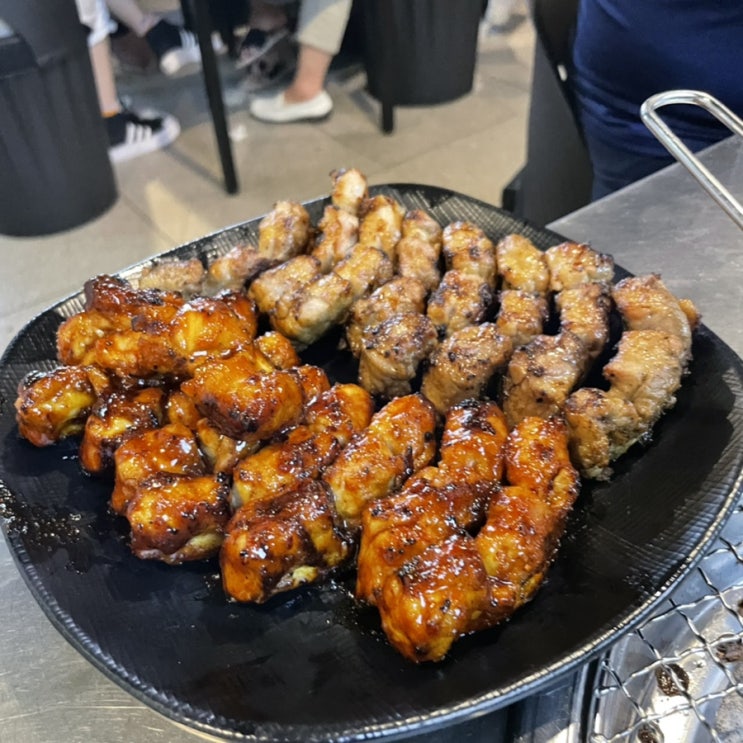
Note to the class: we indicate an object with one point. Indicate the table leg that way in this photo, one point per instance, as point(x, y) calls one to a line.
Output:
point(199, 11)
point(389, 62)
point(388, 117)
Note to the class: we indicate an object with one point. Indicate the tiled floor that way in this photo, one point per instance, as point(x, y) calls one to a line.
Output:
point(473, 145)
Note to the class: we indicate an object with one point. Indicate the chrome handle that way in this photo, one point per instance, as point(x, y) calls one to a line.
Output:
point(664, 134)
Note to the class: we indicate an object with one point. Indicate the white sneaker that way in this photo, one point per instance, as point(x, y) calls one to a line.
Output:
point(133, 134)
point(177, 48)
point(185, 54)
point(275, 110)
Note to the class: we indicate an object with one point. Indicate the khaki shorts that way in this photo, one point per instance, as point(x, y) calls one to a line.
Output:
point(321, 23)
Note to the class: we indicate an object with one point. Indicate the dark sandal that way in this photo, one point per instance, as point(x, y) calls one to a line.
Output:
point(256, 43)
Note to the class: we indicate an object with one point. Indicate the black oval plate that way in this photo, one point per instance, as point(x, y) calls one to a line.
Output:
point(310, 665)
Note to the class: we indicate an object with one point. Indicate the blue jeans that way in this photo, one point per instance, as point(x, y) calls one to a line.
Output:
point(614, 168)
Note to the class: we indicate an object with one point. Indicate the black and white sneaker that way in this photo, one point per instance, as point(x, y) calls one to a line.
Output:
point(131, 134)
point(175, 47)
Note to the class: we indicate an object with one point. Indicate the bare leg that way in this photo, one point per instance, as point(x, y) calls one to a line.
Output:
point(131, 15)
point(105, 83)
point(309, 79)
point(320, 29)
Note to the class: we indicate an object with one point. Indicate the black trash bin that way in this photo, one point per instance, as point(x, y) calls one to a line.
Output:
point(420, 52)
point(55, 172)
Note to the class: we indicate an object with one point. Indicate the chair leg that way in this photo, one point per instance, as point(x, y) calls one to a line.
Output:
point(388, 117)
point(203, 27)
point(388, 65)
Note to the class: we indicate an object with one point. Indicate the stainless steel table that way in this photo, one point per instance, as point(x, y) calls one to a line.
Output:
point(50, 694)
point(668, 225)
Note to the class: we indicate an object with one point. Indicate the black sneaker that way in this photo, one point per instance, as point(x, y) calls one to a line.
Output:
point(131, 134)
point(174, 46)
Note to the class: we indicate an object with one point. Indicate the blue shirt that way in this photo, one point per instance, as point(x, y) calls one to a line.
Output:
point(627, 50)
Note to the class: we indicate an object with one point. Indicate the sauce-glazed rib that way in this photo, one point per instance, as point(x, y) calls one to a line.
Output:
point(438, 501)
point(117, 416)
point(170, 450)
point(462, 583)
point(276, 544)
point(164, 340)
point(245, 397)
point(55, 405)
point(330, 422)
point(283, 533)
point(176, 519)
point(399, 441)
point(281, 544)
point(112, 306)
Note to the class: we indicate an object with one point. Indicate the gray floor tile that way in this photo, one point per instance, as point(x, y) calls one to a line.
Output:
point(479, 165)
point(418, 129)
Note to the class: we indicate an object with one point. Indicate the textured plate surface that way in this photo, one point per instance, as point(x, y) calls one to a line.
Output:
point(310, 665)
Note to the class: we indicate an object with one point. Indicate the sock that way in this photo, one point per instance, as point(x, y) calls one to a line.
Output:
point(163, 37)
point(115, 128)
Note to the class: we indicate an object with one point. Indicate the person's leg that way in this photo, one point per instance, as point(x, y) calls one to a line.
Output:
point(321, 26)
point(174, 46)
point(132, 16)
point(105, 82)
point(320, 30)
point(129, 134)
point(309, 79)
point(94, 15)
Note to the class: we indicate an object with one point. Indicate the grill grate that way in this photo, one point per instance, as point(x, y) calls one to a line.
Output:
point(679, 677)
